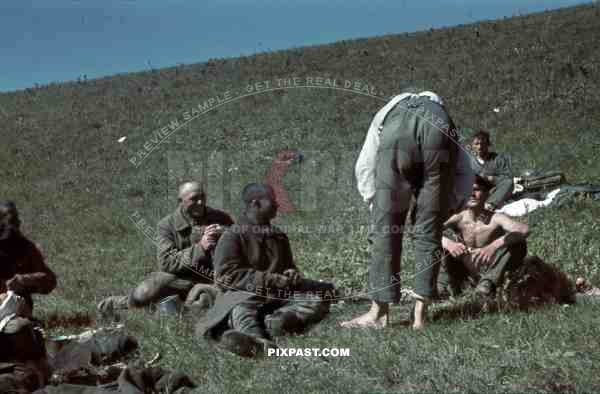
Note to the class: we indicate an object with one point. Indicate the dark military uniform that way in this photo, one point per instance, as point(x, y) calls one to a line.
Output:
point(417, 156)
point(23, 361)
point(185, 269)
point(457, 274)
point(499, 166)
point(182, 261)
point(19, 257)
point(246, 259)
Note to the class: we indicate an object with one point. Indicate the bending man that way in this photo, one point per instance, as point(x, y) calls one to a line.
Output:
point(410, 149)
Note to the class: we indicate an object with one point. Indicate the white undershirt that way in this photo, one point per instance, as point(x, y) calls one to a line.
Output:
point(365, 167)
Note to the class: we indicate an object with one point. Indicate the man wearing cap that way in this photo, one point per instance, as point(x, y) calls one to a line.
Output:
point(495, 168)
point(264, 294)
point(411, 148)
point(185, 246)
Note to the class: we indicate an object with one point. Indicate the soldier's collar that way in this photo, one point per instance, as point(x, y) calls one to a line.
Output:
point(182, 220)
point(253, 228)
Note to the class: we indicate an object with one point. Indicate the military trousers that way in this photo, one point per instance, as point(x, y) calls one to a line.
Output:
point(459, 273)
point(417, 156)
point(267, 318)
point(23, 359)
point(159, 285)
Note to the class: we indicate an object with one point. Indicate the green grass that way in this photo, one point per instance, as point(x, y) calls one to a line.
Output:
point(77, 189)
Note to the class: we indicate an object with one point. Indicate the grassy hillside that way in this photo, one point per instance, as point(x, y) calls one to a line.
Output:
point(77, 189)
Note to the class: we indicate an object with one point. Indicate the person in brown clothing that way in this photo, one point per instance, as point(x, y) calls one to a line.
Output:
point(22, 266)
point(185, 246)
point(23, 360)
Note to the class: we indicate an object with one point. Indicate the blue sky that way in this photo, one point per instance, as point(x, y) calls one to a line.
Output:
point(59, 40)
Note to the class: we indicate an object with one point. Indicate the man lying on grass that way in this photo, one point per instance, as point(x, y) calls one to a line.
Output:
point(490, 244)
point(187, 239)
point(264, 295)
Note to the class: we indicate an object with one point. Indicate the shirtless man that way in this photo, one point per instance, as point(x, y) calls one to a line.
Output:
point(489, 245)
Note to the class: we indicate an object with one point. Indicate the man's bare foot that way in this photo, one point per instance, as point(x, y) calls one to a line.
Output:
point(377, 317)
point(420, 314)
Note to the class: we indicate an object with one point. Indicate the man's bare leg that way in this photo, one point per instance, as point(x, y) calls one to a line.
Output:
point(421, 304)
point(377, 317)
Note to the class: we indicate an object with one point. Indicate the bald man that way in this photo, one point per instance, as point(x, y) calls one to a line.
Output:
point(264, 294)
point(185, 246)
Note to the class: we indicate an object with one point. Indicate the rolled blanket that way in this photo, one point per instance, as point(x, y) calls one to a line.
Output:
point(543, 181)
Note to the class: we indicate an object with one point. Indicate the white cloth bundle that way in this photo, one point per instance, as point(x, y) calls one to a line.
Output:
point(525, 205)
point(12, 306)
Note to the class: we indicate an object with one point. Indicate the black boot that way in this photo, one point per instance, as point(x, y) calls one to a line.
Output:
point(245, 345)
point(283, 323)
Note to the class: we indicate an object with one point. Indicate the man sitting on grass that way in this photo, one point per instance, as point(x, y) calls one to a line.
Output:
point(264, 294)
point(23, 272)
point(187, 239)
point(494, 168)
point(22, 266)
point(490, 244)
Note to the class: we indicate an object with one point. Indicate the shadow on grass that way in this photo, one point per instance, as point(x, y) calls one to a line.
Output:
point(464, 309)
point(533, 285)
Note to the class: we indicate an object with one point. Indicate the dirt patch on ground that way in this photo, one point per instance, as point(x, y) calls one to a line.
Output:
point(71, 320)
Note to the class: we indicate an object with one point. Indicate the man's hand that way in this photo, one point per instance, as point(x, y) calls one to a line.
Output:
point(483, 255)
point(455, 249)
point(294, 275)
point(488, 177)
point(210, 236)
point(16, 284)
point(278, 281)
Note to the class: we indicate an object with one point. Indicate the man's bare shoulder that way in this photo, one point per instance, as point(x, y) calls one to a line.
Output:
point(498, 218)
point(509, 224)
point(455, 219)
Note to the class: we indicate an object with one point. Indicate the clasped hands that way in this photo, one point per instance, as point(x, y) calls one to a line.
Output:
point(290, 279)
point(479, 256)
